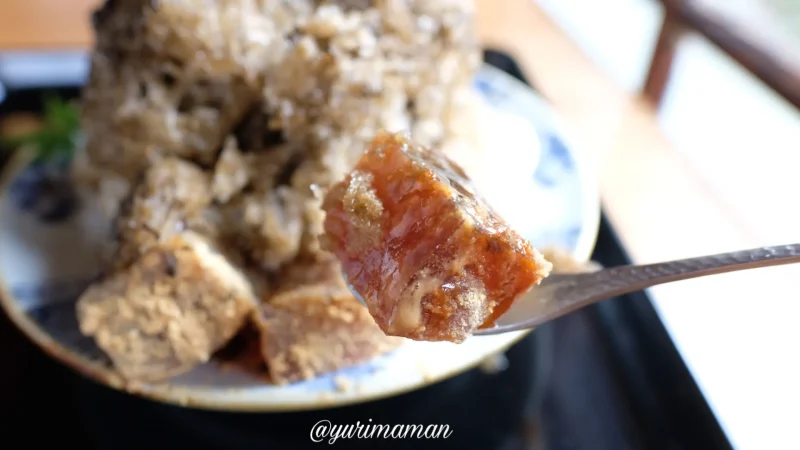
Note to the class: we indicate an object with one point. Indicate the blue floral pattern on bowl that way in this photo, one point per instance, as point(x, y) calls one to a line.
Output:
point(45, 190)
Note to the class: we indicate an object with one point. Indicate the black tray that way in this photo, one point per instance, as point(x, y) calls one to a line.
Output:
point(607, 377)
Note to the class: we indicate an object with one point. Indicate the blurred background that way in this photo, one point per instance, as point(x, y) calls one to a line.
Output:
point(689, 109)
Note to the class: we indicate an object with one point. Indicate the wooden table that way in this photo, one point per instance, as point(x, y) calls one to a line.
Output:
point(650, 193)
point(45, 24)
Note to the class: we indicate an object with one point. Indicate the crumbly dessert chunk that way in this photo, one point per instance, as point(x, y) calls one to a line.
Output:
point(231, 173)
point(313, 325)
point(169, 310)
point(170, 198)
point(146, 99)
point(178, 77)
point(266, 227)
point(138, 107)
point(229, 37)
point(431, 259)
point(358, 67)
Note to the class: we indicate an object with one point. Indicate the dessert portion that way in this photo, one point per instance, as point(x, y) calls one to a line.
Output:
point(169, 198)
point(428, 255)
point(312, 324)
point(220, 123)
point(170, 309)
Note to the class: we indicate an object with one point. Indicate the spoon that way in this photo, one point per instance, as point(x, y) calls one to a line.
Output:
point(562, 293)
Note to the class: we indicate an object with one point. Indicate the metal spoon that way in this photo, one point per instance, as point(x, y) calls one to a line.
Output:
point(561, 294)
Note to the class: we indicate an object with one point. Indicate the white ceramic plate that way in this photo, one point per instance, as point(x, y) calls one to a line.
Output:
point(546, 191)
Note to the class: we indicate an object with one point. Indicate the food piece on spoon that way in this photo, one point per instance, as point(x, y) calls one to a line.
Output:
point(427, 254)
point(174, 306)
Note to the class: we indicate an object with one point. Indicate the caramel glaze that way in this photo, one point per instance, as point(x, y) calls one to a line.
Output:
point(430, 257)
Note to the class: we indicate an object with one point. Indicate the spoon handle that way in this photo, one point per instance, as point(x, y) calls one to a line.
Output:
point(560, 294)
point(621, 280)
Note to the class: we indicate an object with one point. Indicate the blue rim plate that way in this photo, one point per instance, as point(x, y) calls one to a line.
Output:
point(48, 255)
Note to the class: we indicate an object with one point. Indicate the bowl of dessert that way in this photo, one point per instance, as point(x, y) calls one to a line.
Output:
point(182, 231)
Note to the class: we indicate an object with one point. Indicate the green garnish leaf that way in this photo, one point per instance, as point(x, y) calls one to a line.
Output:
point(57, 135)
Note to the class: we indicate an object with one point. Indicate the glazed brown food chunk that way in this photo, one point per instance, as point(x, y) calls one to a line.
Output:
point(430, 258)
point(168, 311)
point(313, 325)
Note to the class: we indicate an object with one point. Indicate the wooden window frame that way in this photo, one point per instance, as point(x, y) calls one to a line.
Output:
point(778, 66)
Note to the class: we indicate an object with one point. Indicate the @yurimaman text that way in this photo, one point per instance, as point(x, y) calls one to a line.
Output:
point(324, 430)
